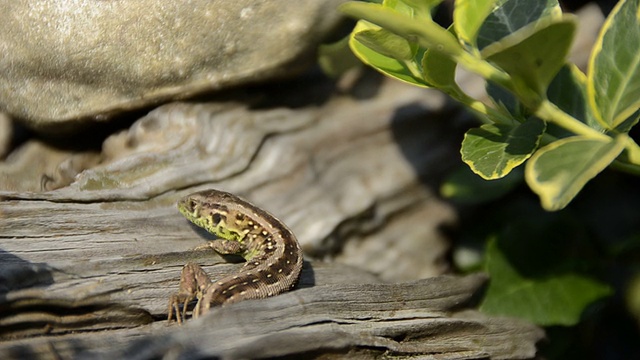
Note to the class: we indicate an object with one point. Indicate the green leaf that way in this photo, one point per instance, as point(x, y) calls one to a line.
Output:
point(513, 15)
point(613, 80)
point(440, 70)
point(558, 299)
point(568, 92)
point(631, 121)
point(399, 6)
point(337, 58)
point(403, 70)
point(422, 8)
point(534, 54)
point(465, 187)
point(385, 43)
point(468, 16)
point(492, 151)
point(558, 171)
point(502, 98)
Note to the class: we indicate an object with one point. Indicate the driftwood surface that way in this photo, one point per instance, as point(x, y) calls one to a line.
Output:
point(88, 264)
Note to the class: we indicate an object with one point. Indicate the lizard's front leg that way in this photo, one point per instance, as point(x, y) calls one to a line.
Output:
point(194, 281)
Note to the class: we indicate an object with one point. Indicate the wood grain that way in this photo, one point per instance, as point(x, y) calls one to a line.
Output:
point(87, 269)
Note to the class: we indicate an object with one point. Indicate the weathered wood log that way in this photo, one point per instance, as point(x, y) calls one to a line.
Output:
point(420, 318)
point(347, 177)
point(86, 269)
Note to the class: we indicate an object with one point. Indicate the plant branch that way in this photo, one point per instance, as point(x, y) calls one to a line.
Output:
point(549, 112)
point(626, 167)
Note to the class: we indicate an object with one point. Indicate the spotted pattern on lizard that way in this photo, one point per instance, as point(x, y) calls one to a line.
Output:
point(272, 253)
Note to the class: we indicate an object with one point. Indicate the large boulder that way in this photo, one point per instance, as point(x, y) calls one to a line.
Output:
point(67, 61)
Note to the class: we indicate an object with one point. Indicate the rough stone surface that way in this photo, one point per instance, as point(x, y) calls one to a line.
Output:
point(69, 60)
point(5, 135)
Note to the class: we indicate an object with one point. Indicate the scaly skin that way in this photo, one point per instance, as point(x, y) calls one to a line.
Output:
point(273, 255)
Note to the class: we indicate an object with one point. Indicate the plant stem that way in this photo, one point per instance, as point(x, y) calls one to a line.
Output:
point(484, 69)
point(633, 151)
point(625, 167)
point(413, 68)
point(550, 112)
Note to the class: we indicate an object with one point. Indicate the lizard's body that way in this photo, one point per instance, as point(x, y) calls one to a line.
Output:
point(273, 255)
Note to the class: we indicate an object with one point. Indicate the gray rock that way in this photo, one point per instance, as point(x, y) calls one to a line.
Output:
point(66, 61)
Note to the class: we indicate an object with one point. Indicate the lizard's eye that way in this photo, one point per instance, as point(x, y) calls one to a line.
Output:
point(216, 218)
point(192, 204)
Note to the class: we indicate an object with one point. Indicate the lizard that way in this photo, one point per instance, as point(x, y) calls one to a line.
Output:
point(272, 253)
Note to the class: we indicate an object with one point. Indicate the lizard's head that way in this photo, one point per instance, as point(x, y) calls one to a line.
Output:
point(207, 209)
